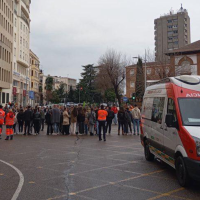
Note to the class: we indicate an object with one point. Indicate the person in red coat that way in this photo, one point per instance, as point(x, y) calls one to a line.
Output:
point(2, 116)
point(10, 117)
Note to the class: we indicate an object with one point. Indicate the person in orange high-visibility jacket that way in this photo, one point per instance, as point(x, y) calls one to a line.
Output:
point(10, 117)
point(102, 114)
point(2, 116)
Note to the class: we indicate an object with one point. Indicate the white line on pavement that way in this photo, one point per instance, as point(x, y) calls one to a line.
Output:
point(21, 180)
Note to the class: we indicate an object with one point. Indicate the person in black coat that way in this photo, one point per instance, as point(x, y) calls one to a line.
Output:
point(121, 120)
point(27, 118)
point(109, 119)
point(36, 120)
point(20, 119)
point(128, 120)
point(81, 120)
point(48, 119)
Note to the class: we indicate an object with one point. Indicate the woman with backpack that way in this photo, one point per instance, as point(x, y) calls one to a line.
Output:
point(121, 120)
point(92, 121)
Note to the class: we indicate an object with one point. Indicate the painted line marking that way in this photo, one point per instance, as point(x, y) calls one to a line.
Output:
point(166, 194)
point(21, 180)
point(31, 182)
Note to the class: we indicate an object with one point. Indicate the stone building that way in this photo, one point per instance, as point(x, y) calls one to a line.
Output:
point(21, 46)
point(6, 44)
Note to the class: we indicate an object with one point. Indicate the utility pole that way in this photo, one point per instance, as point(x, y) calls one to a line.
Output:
point(79, 95)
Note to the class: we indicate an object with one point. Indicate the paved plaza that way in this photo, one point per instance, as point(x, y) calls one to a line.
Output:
point(81, 168)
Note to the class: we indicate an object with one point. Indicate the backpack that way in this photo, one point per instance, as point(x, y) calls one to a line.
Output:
point(127, 117)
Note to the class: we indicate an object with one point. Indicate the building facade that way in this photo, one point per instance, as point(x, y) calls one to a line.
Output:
point(186, 60)
point(21, 46)
point(172, 31)
point(68, 82)
point(35, 79)
point(155, 71)
point(183, 61)
point(6, 51)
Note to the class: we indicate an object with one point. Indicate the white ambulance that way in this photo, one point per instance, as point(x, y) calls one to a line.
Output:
point(170, 125)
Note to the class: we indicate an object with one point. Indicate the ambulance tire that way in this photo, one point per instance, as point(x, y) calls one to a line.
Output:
point(148, 155)
point(181, 172)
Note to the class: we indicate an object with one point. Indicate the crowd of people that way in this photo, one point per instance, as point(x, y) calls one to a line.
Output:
point(72, 120)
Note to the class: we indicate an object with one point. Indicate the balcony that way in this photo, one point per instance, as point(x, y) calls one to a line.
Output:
point(25, 19)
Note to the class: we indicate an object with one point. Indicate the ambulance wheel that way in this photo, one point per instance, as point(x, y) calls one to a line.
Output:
point(148, 155)
point(181, 172)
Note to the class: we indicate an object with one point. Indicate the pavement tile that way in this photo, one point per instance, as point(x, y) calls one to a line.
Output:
point(81, 168)
point(39, 192)
point(140, 167)
point(191, 192)
point(117, 193)
point(128, 157)
point(107, 175)
point(153, 183)
point(103, 162)
point(79, 183)
point(40, 174)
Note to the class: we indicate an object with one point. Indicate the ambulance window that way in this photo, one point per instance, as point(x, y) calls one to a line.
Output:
point(171, 109)
point(157, 110)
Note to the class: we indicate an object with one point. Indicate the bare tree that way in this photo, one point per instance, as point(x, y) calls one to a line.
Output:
point(113, 71)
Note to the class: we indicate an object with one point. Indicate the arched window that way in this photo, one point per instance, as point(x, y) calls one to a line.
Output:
point(185, 68)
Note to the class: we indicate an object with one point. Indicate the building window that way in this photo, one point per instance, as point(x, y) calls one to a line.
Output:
point(7, 97)
point(167, 70)
point(132, 72)
point(169, 21)
point(132, 84)
point(3, 97)
point(148, 71)
point(157, 71)
point(175, 31)
point(15, 83)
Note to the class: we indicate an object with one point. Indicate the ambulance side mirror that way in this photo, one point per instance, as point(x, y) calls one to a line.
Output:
point(169, 120)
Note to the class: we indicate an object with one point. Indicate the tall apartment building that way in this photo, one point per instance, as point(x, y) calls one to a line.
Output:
point(6, 43)
point(35, 79)
point(172, 31)
point(21, 46)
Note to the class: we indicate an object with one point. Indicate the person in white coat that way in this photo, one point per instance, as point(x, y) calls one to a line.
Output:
point(136, 119)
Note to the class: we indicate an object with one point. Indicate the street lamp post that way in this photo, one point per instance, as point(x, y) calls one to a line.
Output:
point(145, 69)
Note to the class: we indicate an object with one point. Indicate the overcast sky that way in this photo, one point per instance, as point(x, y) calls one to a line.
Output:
point(67, 34)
